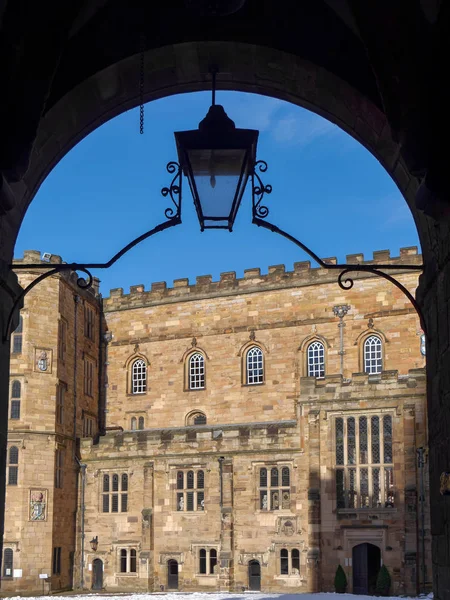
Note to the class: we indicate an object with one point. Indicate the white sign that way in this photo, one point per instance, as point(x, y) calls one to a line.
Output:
point(90, 567)
point(17, 573)
point(43, 576)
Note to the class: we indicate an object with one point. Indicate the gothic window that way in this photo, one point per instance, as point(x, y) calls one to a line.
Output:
point(115, 493)
point(16, 392)
point(128, 562)
point(141, 423)
point(207, 561)
point(255, 366)
point(59, 468)
point(190, 490)
point(373, 357)
point(8, 561)
point(196, 418)
point(289, 561)
point(316, 360)
point(133, 423)
point(364, 462)
point(274, 488)
point(17, 338)
point(13, 465)
point(196, 371)
point(139, 377)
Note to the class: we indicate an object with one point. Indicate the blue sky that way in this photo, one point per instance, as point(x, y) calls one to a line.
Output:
point(327, 190)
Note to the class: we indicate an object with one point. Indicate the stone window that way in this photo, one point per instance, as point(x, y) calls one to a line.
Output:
point(137, 423)
point(254, 361)
point(196, 371)
point(59, 468)
point(60, 402)
point(8, 562)
point(16, 342)
point(139, 377)
point(373, 355)
point(196, 418)
point(207, 561)
point(62, 339)
point(128, 560)
point(89, 426)
point(274, 488)
point(115, 493)
point(56, 567)
point(16, 394)
point(364, 462)
point(289, 561)
point(190, 490)
point(13, 465)
point(316, 359)
point(89, 368)
point(89, 322)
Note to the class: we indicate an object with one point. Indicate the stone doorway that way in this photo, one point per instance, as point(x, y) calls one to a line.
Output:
point(97, 574)
point(254, 576)
point(366, 564)
point(172, 575)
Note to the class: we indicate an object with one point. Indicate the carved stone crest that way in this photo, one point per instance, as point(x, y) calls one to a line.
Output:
point(43, 360)
point(38, 505)
point(287, 526)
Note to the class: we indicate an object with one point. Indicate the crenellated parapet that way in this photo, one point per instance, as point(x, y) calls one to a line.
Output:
point(277, 277)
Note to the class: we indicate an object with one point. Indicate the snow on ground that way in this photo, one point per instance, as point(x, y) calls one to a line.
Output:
point(218, 596)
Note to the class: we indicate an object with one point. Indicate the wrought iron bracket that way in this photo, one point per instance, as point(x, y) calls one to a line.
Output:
point(260, 212)
point(173, 216)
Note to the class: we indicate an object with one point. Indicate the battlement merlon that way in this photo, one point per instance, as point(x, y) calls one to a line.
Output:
point(277, 277)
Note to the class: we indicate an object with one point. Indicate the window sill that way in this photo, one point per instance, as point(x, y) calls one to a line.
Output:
point(190, 513)
point(253, 385)
point(367, 511)
point(277, 511)
point(126, 574)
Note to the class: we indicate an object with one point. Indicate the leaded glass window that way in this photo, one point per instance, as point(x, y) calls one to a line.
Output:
point(289, 561)
point(207, 559)
point(196, 371)
point(13, 465)
point(316, 360)
point(373, 357)
point(190, 490)
point(364, 471)
point(284, 562)
point(274, 491)
point(139, 377)
point(16, 342)
point(255, 367)
point(115, 493)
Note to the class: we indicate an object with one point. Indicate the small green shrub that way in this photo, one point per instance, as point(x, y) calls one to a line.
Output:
point(340, 580)
point(383, 582)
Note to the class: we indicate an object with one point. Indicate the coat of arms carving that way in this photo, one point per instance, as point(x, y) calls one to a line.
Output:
point(38, 505)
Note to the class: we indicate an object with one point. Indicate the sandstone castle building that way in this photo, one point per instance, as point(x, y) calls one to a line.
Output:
point(233, 435)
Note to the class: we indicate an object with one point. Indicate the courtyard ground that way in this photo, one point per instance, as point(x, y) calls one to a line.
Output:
point(219, 596)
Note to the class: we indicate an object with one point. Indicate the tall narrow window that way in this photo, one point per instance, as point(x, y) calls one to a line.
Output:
point(202, 560)
point(59, 468)
point(13, 465)
point(295, 561)
point(60, 401)
point(132, 560)
point(364, 473)
point(139, 377)
point(373, 357)
point(212, 560)
point(316, 360)
point(133, 423)
point(284, 562)
point(197, 371)
point(115, 493)
point(8, 558)
point(274, 492)
point(141, 423)
point(89, 322)
point(255, 367)
point(17, 338)
point(16, 392)
point(123, 561)
point(56, 561)
point(88, 377)
point(62, 339)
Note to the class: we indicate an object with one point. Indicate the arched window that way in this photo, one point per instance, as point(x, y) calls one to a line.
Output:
point(202, 555)
point(212, 560)
point(139, 377)
point(17, 338)
point(295, 554)
point(284, 562)
point(132, 560)
point(123, 561)
point(196, 418)
point(196, 371)
point(16, 392)
point(200, 480)
point(8, 558)
point(133, 423)
point(255, 367)
point(141, 423)
point(373, 356)
point(13, 465)
point(316, 360)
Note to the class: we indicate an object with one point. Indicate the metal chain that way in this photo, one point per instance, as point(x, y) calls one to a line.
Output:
point(141, 85)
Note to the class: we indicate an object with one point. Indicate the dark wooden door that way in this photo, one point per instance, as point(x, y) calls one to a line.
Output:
point(97, 574)
point(366, 564)
point(172, 575)
point(254, 576)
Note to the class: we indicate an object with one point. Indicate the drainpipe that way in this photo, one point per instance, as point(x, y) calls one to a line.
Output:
point(421, 465)
point(106, 339)
point(82, 509)
point(221, 459)
point(340, 311)
point(76, 299)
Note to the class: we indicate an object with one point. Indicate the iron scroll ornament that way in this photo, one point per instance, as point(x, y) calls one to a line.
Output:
point(173, 216)
point(260, 212)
